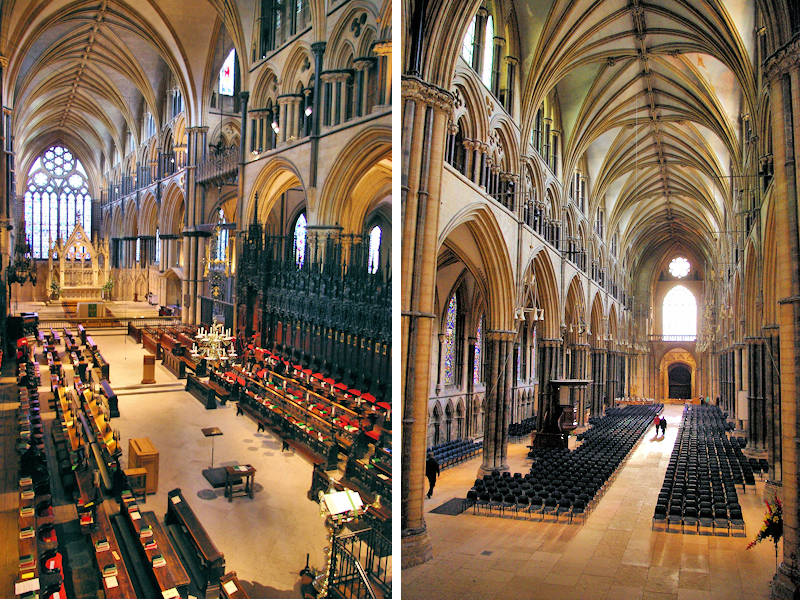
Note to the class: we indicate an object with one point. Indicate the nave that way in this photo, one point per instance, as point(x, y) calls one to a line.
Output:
point(615, 554)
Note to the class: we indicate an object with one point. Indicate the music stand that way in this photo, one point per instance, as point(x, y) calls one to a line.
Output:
point(211, 432)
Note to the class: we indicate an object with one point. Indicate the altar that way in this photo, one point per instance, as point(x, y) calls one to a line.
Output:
point(77, 271)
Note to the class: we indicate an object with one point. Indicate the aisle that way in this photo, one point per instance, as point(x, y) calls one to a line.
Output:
point(614, 555)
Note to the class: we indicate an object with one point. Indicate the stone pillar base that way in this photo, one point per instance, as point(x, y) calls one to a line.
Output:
point(415, 547)
point(782, 586)
point(488, 471)
point(772, 489)
point(755, 452)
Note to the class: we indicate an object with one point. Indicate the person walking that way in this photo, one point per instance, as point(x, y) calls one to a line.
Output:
point(663, 425)
point(656, 423)
point(431, 472)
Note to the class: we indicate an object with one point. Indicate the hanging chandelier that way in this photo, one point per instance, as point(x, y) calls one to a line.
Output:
point(214, 344)
point(23, 266)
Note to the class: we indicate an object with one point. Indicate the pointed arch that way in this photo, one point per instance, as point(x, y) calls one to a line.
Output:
point(486, 234)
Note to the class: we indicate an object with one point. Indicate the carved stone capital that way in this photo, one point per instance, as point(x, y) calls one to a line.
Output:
point(383, 48)
point(782, 61)
point(501, 335)
point(416, 89)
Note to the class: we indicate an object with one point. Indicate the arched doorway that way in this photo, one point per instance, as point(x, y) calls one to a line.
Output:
point(680, 380)
point(678, 384)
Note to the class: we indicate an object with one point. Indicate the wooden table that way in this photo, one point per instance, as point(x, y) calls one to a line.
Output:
point(233, 476)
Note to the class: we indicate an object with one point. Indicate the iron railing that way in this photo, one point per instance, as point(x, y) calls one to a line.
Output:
point(673, 338)
point(359, 560)
point(106, 322)
point(221, 166)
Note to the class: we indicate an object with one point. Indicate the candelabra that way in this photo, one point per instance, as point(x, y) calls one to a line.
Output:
point(214, 344)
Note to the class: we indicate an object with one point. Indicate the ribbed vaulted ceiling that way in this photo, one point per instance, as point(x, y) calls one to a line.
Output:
point(85, 71)
point(650, 93)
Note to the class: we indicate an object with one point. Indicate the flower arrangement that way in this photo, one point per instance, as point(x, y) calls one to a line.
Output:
point(772, 527)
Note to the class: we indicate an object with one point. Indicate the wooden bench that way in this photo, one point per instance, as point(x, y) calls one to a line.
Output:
point(101, 364)
point(150, 343)
point(89, 342)
point(201, 391)
point(111, 397)
point(82, 333)
point(220, 391)
point(112, 555)
point(205, 563)
point(135, 332)
point(173, 574)
point(174, 364)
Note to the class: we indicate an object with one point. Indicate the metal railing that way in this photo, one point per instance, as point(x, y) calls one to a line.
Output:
point(360, 559)
point(106, 322)
point(673, 338)
point(220, 166)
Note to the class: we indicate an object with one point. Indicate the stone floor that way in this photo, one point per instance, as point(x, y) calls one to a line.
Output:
point(265, 540)
point(614, 555)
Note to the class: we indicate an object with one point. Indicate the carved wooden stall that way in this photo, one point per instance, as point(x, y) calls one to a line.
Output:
point(328, 311)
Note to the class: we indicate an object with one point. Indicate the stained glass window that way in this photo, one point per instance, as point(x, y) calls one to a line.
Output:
point(226, 75)
point(449, 346)
point(138, 249)
point(467, 44)
point(300, 240)
point(56, 199)
point(374, 250)
point(222, 238)
point(679, 267)
point(158, 248)
point(488, 52)
point(477, 371)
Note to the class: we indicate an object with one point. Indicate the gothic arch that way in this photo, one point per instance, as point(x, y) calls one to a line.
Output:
point(361, 173)
point(148, 216)
point(172, 210)
point(498, 272)
point(471, 96)
point(541, 267)
point(277, 176)
point(299, 66)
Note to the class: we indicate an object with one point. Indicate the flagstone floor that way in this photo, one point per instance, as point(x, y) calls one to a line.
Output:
point(614, 555)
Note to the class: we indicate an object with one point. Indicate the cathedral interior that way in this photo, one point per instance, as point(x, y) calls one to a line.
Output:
point(600, 225)
point(196, 205)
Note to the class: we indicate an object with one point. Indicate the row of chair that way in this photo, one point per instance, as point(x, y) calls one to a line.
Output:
point(699, 490)
point(522, 428)
point(451, 453)
point(563, 482)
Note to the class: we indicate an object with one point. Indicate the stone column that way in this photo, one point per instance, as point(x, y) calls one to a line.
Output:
point(318, 49)
point(426, 111)
point(549, 352)
point(499, 353)
point(471, 341)
point(383, 49)
point(362, 66)
point(772, 393)
point(783, 71)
